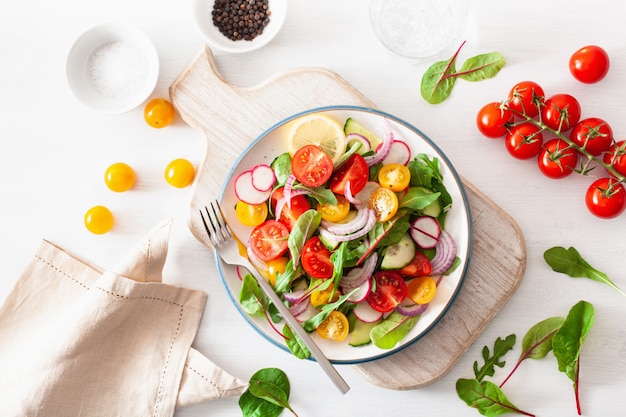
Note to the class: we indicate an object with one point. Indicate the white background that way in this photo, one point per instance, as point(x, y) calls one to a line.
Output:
point(53, 153)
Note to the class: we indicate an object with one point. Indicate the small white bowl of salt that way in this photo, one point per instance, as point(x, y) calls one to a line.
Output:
point(112, 68)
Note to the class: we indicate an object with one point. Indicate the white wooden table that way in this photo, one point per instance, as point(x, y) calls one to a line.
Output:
point(53, 152)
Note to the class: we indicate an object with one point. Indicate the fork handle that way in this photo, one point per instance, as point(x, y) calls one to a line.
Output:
point(316, 352)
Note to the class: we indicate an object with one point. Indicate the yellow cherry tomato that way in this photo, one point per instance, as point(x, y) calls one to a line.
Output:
point(385, 204)
point(335, 212)
point(421, 290)
point(396, 177)
point(98, 220)
point(275, 267)
point(159, 113)
point(251, 214)
point(119, 177)
point(179, 173)
point(322, 297)
point(334, 327)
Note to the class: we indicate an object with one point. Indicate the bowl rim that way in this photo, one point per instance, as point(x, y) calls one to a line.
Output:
point(90, 40)
point(201, 10)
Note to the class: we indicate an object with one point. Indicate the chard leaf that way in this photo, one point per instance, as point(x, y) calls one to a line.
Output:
point(302, 231)
point(251, 297)
point(295, 344)
point(570, 262)
point(438, 81)
point(537, 342)
point(500, 348)
point(485, 397)
point(482, 66)
point(267, 395)
point(391, 330)
point(568, 340)
point(252, 406)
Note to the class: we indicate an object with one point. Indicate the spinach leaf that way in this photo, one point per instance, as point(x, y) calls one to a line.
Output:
point(570, 262)
point(267, 395)
point(482, 66)
point(295, 344)
point(251, 297)
point(500, 348)
point(418, 198)
point(486, 397)
point(323, 195)
point(282, 168)
point(568, 341)
point(391, 330)
point(302, 231)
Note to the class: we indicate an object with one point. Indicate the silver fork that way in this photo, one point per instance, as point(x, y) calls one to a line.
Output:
point(225, 244)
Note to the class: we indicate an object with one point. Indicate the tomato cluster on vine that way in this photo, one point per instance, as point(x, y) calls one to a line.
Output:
point(551, 131)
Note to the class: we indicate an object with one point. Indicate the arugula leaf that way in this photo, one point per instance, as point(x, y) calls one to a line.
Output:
point(570, 262)
point(486, 397)
point(391, 330)
point(568, 341)
point(500, 348)
point(312, 323)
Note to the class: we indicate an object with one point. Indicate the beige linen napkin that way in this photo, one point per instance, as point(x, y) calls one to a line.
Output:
point(76, 340)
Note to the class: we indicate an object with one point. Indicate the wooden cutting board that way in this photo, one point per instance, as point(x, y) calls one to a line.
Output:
point(231, 117)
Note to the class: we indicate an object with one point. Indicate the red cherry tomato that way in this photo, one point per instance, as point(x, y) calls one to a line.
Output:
point(557, 159)
point(492, 120)
point(311, 166)
point(355, 170)
point(593, 134)
point(268, 240)
point(524, 98)
point(616, 157)
point(419, 266)
point(561, 112)
point(290, 212)
point(316, 259)
point(589, 64)
point(606, 198)
point(389, 291)
point(524, 141)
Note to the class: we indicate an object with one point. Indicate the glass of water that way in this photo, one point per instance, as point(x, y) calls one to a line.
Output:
point(419, 30)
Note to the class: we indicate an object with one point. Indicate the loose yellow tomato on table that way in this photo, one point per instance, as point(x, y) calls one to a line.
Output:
point(334, 327)
point(159, 113)
point(179, 173)
point(396, 177)
point(99, 220)
point(119, 177)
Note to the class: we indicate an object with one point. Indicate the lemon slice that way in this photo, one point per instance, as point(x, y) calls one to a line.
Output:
point(317, 129)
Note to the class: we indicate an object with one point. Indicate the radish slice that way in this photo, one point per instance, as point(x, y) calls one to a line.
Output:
point(353, 138)
point(398, 154)
point(425, 231)
point(359, 293)
point(411, 309)
point(263, 177)
point(246, 192)
point(445, 255)
point(364, 312)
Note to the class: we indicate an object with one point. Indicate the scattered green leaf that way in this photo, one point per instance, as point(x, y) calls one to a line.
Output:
point(500, 348)
point(486, 397)
point(267, 395)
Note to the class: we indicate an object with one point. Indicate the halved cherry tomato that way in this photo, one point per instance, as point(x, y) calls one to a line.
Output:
point(385, 203)
point(311, 166)
point(492, 120)
point(524, 141)
point(335, 212)
point(525, 97)
point(355, 170)
point(325, 296)
point(268, 241)
point(251, 214)
point(419, 266)
point(593, 134)
point(557, 159)
point(290, 213)
point(389, 291)
point(605, 198)
point(421, 290)
point(316, 259)
point(616, 157)
point(589, 64)
point(275, 267)
point(334, 327)
point(396, 177)
point(561, 112)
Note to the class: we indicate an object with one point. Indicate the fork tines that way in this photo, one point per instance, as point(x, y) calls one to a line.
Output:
point(216, 227)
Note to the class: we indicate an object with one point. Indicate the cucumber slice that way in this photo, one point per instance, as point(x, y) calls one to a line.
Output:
point(434, 209)
point(360, 334)
point(399, 255)
point(352, 126)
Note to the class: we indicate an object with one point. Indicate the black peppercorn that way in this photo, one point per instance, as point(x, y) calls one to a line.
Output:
point(229, 15)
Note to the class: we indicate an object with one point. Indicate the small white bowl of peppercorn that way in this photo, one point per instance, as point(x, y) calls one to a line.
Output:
point(239, 25)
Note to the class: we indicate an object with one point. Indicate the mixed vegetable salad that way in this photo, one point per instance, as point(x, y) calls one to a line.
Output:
point(349, 228)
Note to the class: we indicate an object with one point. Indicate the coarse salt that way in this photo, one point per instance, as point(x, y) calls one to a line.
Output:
point(118, 69)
